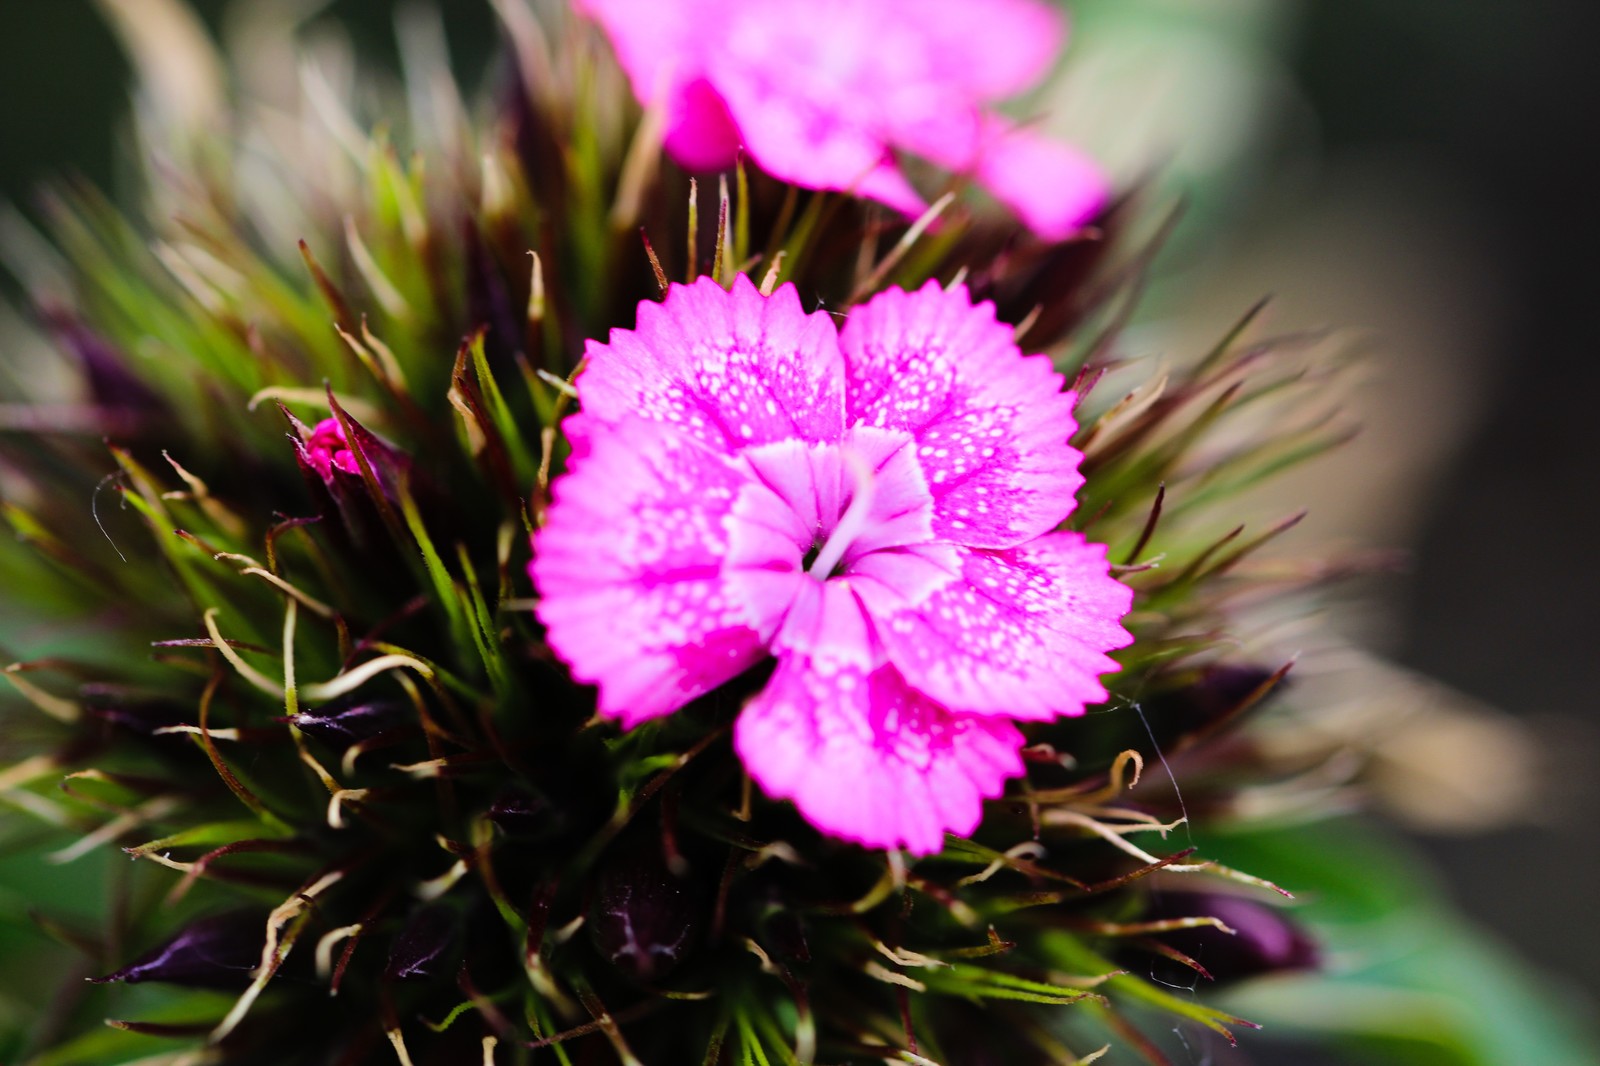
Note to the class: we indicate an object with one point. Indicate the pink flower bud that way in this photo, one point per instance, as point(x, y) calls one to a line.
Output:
point(329, 450)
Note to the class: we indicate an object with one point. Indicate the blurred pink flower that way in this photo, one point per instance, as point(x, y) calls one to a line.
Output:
point(825, 93)
point(328, 449)
point(873, 507)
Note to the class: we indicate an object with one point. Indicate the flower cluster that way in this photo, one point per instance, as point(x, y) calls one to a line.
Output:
point(872, 506)
point(817, 564)
point(828, 94)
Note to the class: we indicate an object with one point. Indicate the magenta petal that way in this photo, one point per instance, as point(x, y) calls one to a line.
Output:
point(866, 758)
point(827, 625)
point(629, 571)
point(659, 43)
point(887, 185)
point(699, 132)
point(661, 47)
point(807, 478)
point(732, 369)
point(801, 126)
point(941, 126)
point(994, 49)
point(991, 424)
point(1022, 633)
point(909, 574)
point(825, 93)
point(764, 567)
point(899, 511)
point(1052, 187)
point(769, 535)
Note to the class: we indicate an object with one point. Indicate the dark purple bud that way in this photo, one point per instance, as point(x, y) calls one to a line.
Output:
point(330, 453)
point(346, 722)
point(144, 717)
point(111, 381)
point(485, 962)
point(1056, 277)
point(334, 489)
point(784, 934)
point(216, 952)
point(1221, 690)
point(488, 300)
point(1264, 940)
point(644, 919)
point(1183, 716)
point(519, 812)
point(421, 950)
point(972, 1036)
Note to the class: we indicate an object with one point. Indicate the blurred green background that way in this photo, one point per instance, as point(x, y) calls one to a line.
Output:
point(1421, 168)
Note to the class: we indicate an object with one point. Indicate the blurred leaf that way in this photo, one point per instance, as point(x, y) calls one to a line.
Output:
point(1408, 981)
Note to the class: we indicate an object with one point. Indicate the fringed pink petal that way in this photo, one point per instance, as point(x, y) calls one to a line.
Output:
point(731, 369)
point(629, 571)
point(866, 758)
point(1053, 187)
point(1022, 633)
point(991, 425)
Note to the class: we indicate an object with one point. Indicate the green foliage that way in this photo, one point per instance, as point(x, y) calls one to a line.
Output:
point(1414, 985)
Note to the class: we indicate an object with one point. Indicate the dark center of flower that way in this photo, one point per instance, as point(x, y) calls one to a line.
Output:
point(826, 558)
point(809, 560)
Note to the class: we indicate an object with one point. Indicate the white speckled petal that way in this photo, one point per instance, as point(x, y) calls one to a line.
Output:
point(1022, 633)
point(629, 569)
point(733, 369)
point(991, 425)
point(866, 758)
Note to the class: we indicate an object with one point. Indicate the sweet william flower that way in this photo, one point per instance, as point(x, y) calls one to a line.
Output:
point(828, 94)
point(874, 507)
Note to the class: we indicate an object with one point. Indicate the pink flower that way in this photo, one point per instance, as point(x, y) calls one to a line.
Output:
point(874, 507)
point(328, 449)
point(826, 93)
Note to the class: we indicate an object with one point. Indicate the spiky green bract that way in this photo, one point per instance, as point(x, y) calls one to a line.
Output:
point(320, 705)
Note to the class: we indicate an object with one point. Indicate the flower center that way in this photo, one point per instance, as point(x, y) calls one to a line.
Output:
point(816, 511)
point(825, 563)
